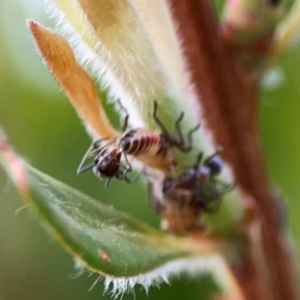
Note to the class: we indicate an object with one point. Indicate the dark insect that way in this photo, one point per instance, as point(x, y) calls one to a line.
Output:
point(198, 186)
point(153, 149)
point(184, 196)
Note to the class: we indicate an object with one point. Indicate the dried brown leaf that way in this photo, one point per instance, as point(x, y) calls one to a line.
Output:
point(75, 82)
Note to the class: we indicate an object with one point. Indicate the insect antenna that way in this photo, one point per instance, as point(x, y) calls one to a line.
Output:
point(92, 151)
point(85, 168)
point(80, 168)
point(100, 150)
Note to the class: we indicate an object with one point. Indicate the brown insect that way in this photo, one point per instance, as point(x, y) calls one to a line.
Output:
point(184, 196)
point(197, 186)
point(153, 149)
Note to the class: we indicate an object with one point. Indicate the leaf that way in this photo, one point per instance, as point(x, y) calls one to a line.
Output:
point(75, 82)
point(103, 239)
point(116, 39)
point(108, 241)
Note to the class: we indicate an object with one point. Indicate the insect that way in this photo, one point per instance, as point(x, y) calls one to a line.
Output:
point(185, 195)
point(198, 186)
point(153, 149)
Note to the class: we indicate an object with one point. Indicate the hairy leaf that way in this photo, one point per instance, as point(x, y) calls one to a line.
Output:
point(103, 239)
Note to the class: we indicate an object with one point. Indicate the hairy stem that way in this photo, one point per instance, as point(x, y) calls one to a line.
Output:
point(229, 98)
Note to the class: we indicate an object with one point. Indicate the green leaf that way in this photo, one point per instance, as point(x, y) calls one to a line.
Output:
point(105, 240)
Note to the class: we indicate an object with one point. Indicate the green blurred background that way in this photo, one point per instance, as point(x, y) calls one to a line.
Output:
point(45, 130)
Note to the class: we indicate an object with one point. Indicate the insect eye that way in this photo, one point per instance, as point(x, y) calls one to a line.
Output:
point(215, 164)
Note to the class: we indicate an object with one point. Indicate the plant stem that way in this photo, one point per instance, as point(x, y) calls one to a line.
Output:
point(228, 95)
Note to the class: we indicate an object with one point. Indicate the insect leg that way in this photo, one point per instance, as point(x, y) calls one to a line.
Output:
point(189, 146)
point(107, 182)
point(157, 119)
point(165, 133)
point(178, 129)
point(136, 177)
point(178, 142)
point(199, 159)
point(133, 180)
point(128, 166)
point(125, 121)
point(122, 174)
point(190, 135)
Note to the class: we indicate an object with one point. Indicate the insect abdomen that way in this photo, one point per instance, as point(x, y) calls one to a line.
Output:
point(138, 143)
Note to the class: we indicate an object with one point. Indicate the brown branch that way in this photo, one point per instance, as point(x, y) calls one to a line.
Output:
point(229, 99)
